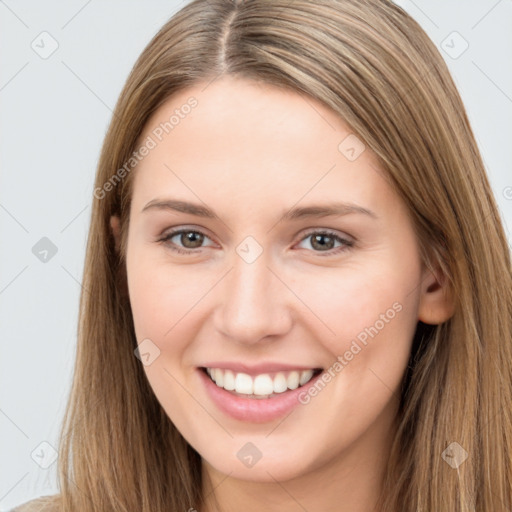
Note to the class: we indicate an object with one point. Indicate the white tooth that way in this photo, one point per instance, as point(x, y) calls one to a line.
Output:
point(305, 376)
point(243, 383)
point(280, 383)
point(263, 385)
point(229, 380)
point(293, 380)
point(218, 375)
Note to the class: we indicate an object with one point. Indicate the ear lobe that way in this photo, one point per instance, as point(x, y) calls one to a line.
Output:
point(115, 226)
point(437, 302)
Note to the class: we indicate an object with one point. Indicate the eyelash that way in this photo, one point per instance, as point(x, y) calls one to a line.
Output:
point(347, 244)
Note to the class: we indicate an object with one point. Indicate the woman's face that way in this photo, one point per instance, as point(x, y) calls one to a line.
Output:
point(264, 287)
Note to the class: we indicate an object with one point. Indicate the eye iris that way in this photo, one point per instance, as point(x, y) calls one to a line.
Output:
point(323, 246)
point(193, 237)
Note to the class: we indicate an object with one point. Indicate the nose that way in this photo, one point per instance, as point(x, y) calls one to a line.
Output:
point(253, 304)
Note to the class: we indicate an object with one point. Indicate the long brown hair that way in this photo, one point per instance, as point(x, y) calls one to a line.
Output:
point(371, 63)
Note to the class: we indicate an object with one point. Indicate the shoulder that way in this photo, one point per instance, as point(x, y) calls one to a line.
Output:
point(42, 504)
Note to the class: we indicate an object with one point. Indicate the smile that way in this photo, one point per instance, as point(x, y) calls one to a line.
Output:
point(264, 385)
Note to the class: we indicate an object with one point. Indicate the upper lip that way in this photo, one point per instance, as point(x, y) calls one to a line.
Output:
point(256, 369)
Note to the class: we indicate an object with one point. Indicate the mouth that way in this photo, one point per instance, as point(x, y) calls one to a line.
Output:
point(260, 386)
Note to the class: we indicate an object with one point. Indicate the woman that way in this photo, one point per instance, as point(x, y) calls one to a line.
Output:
point(249, 363)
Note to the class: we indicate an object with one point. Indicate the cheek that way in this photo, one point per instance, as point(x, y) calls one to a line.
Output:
point(369, 315)
point(161, 295)
point(361, 302)
point(162, 301)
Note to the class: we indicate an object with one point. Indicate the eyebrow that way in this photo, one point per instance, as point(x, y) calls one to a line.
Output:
point(297, 213)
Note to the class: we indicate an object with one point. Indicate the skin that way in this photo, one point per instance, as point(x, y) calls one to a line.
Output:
point(251, 152)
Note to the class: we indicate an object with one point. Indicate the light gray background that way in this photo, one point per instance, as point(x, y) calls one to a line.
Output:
point(54, 114)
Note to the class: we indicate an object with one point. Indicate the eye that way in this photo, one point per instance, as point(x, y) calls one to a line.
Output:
point(324, 241)
point(190, 238)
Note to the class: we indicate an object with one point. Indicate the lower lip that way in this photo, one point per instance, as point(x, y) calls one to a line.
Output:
point(254, 410)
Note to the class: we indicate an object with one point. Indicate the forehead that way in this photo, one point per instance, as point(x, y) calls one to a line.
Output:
point(246, 142)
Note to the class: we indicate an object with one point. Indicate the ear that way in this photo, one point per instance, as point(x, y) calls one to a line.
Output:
point(437, 302)
point(115, 226)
